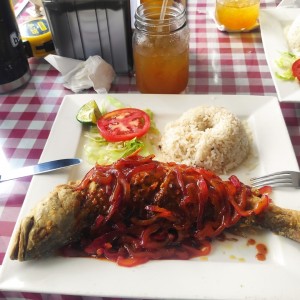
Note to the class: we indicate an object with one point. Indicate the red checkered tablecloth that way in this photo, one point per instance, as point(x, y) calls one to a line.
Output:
point(220, 63)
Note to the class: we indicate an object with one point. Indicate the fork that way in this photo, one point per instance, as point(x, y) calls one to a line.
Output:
point(284, 178)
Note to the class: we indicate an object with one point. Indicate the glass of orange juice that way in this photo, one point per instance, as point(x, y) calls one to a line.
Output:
point(237, 15)
point(161, 49)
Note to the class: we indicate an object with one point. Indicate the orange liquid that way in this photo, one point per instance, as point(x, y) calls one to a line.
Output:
point(161, 72)
point(237, 15)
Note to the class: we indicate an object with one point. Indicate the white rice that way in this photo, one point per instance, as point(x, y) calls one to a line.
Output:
point(292, 33)
point(206, 136)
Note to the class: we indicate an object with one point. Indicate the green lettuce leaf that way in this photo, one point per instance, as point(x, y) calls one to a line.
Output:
point(284, 63)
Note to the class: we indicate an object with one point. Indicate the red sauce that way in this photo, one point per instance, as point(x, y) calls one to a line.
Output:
point(251, 242)
point(147, 210)
point(261, 248)
point(262, 251)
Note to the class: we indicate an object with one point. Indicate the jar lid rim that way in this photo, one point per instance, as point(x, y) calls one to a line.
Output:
point(147, 16)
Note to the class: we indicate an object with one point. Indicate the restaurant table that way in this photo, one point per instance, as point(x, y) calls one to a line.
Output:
point(220, 63)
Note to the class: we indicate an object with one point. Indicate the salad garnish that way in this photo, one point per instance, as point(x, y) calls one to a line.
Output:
point(286, 64)
point(118, 132)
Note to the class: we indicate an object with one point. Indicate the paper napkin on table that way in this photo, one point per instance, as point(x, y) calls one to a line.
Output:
point(79, 75)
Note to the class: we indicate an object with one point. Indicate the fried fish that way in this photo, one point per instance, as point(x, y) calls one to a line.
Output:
point(139, 209)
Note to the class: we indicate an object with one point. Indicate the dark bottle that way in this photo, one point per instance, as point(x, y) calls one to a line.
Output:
point(14, 67)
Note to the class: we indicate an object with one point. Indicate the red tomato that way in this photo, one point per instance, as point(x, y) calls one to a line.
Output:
point(123, 124)
point(296, 69)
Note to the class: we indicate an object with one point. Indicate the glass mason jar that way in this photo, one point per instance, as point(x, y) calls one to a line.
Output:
point(183, 2)
point(161, 48)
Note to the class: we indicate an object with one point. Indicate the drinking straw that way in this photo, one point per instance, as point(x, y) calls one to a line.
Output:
point(163, 9)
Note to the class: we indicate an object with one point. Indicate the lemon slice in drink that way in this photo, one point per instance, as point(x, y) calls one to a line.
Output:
point(89, 113)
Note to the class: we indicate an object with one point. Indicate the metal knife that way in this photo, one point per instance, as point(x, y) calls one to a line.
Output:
point(39, 168)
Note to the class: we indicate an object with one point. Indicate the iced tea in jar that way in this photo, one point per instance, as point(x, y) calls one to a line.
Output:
point(161, 48)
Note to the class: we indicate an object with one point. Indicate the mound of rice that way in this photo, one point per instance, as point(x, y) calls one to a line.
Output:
point(206, 136)
point(292, 33)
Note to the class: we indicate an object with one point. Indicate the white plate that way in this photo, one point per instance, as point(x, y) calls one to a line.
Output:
point(272, 25)
point(231, 271)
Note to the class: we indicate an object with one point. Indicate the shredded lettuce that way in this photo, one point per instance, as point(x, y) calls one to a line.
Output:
point(110, 103)
point(284, 64)
point(98, 150)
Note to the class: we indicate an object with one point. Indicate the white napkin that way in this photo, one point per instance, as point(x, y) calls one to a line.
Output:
point(80, 75)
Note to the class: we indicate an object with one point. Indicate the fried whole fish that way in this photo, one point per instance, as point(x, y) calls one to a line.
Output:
point(139, 209)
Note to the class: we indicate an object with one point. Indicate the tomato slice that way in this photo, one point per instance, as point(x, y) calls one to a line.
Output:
point(123, 124)
point(296, 68)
